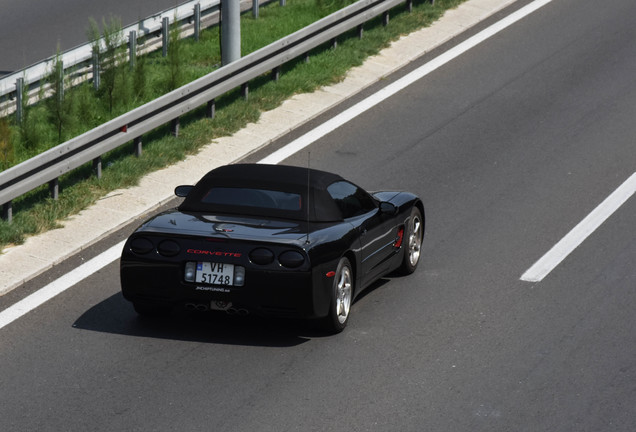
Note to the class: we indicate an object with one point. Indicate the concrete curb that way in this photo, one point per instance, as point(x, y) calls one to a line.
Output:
point(19, 264)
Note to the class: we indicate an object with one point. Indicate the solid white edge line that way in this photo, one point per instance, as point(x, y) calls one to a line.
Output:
point(579, 233)
point(388, 91)
point(82, 272)
point(60, 285)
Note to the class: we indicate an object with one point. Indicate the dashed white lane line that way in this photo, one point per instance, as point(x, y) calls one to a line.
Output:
point(60, 285)
point(579, 233)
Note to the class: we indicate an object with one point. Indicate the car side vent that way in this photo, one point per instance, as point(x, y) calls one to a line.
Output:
point(168, 248)
point(291, 259)
point(261, 256)
point(141, 246)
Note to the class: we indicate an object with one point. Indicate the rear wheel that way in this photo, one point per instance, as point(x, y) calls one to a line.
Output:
point(414, 237)
point(341, 298)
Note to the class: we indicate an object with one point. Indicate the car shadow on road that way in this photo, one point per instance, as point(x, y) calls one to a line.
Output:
point(116, 315)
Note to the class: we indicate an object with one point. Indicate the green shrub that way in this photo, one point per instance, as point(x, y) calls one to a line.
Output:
point(7, 152)
point(112, 61)
point(175, 58)
point(59, 107)
point(139, 78)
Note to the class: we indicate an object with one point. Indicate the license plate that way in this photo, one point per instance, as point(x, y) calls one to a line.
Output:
point(215, 273)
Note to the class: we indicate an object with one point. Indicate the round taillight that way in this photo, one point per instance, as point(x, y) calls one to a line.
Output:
point(168, 248)
point(262, 256)
point(291, 259)
point(141, 246)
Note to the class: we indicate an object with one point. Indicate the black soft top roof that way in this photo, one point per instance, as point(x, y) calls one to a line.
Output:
point(285, 178)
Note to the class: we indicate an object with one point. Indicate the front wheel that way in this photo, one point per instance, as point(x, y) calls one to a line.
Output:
point(341, 298)
point(414, 237)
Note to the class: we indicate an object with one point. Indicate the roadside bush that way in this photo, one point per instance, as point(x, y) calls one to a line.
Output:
point(7, 152)
point(139, 78)
point(36, 132)
point(86, 108)
point(112, 61)
point(59, 107)
point(175, 56)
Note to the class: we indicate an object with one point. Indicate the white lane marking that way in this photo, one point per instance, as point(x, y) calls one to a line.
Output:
point(60, 285)
point(65, 282)
point(388, 91)
point(579, 233)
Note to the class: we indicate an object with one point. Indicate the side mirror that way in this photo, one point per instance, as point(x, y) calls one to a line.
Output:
point(388, 209)
point(183, 191)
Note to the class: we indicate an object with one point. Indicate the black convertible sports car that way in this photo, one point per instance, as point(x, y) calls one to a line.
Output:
point(271, 240)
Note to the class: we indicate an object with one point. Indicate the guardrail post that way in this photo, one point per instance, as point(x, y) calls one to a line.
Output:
point(95, 70)
point(245, 90)
point(19, 89)
point(97, 167)
point(283, 2)
point(276, 73)
point(197, 21)
point(174, 126)
point(165, 27)
point(54, 188)
point(138, 146)
point(334, 43)
point(132, 48)
point(409, 5)
point(255, 8)
point(210, 109)
point(385, 18)
point(360, 31)
point(432, 2)
point(7, 211)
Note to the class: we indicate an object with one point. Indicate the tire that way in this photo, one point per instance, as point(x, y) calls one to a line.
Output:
point(341, 298)
point(413, 238)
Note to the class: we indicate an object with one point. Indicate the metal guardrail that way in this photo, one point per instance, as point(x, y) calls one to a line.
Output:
point(50, 165)
point(80, 57)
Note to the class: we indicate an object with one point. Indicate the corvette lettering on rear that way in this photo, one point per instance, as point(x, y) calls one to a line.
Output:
point(214, 253)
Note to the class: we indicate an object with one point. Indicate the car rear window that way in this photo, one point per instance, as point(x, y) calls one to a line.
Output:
point(257, 198)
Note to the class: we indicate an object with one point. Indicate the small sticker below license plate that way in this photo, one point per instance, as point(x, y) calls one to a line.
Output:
point(215, 273)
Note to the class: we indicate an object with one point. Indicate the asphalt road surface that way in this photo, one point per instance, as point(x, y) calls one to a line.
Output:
point(511, 145)
point(32, 30)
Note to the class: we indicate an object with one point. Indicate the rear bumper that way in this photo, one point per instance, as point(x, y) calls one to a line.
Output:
point(296, 294)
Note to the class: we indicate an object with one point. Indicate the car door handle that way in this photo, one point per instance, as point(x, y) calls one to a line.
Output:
point(363, 231)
